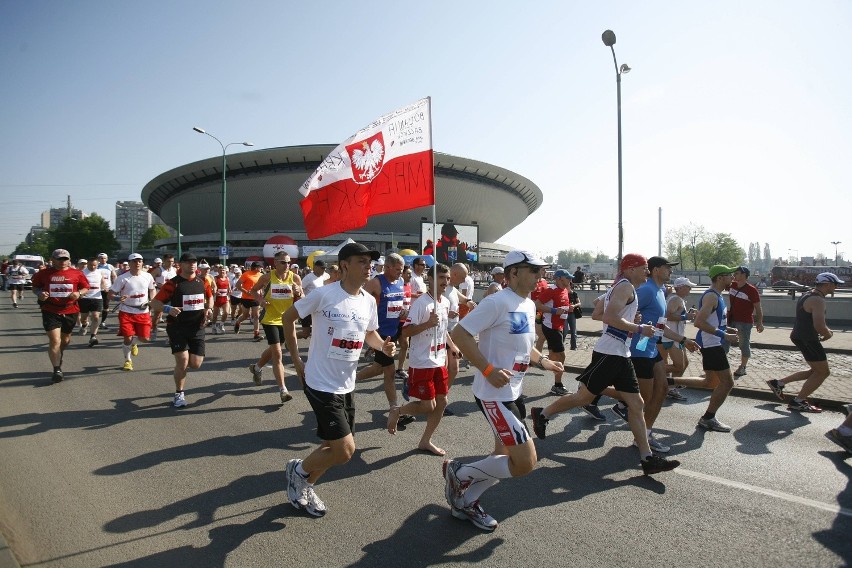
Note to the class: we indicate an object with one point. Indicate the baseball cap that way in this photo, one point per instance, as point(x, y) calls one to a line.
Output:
point(135, 256)
point(156, 260)
point(82, 261)
point(718, 269)
point(103, 255)
point(562, 273)
point(656, 261)
point(496, 270)
point(522, 256)
point(188, 257)
point(203, 264)
point(632, 260)
point(256, 264)
point(381, 261)
point(828, 278)
point(357, 249)
point(684, 281)
point(744, 270)
point(61, 253)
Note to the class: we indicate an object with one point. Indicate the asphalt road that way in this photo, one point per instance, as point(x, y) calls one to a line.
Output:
point(100, 470)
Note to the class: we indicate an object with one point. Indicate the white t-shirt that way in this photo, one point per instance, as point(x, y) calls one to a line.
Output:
point(165, 274)
point(18, 275)
point(98, 280)
point(235, 291)
point(311, 282)
point(453, 296)
point(466, 287)
point(505, 323)
point(422, 353)
point(418, 285)
point(341, 321)
point(136, 288)
point(107, 269)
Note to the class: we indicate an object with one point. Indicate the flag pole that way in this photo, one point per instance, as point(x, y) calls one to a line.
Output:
point(434, 215)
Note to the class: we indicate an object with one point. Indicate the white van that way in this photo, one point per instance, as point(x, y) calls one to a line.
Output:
point(32, 262)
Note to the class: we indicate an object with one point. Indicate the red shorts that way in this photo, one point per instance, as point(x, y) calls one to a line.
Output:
point(426, 383)
point(134, 324)
point(220, 301)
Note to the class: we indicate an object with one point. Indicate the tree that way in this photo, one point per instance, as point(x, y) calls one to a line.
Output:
point(724, 249)
point(38, 244)
point(601, 257)
point(155, 233)
point(83, 238)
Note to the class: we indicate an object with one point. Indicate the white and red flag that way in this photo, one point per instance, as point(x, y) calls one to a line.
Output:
point(385, 167)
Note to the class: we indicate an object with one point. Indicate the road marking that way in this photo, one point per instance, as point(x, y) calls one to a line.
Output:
point(831, 508)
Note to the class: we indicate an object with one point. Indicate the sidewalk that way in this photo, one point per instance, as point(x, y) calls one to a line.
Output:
point(773, 356)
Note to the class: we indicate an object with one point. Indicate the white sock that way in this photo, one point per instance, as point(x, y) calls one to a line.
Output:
point(126, 350)
point(483, 474)
point(134, 341)
point(301, 471)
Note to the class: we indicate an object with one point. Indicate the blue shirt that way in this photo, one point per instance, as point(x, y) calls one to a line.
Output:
point(652, 306)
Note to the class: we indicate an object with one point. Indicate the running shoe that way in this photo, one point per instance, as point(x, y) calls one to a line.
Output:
point(134, 350)
point(14, 304)
point(83, 329)
point(803, 406)
point(236, 328)
point(103, 326)
point(539, 422)
point(621, 411)
point(154, 333)
point(559, 390)
point(93, 341)
point(57, 376)
point(740, 372)
point(128, 366)
point(180, 400)
point(713, 425)
point(406, 388)
point(658, 464)
point(657, 446)
point(286, 396)
point(594, 412)
point(295, 485)
point(401, 375)
point(844, 442)
point(453, 490)
point(675, 394)
point(257, 337)
point(315, 505)
point(777, 387)
point(476, 515)
point(256, 374)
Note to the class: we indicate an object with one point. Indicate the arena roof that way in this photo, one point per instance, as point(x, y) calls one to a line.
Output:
point(263, 194)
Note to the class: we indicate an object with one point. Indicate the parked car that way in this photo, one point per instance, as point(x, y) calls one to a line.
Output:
point(788, 285)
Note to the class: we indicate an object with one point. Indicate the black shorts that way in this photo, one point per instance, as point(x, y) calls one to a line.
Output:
point(186, 339)
point(517, 407)
point(248, 303)
point(335, 413)
point(609, 370)
point(105, 299)
point(383, 359)
point(274, 333)
point(306, 321)
point(63, 322)
point(555, 339)
point(811, 350)
point(88, 305)
point(236, 301)
point(714, 358)
point(644, 366)
point(18, 287)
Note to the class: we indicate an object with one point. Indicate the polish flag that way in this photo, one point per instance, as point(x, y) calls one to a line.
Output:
point(383, 168)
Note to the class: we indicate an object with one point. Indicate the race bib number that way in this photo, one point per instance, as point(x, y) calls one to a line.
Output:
point(346, 344)
point(222, 292)
point(519, 368)
point(193, 302)
point(281, 292)
point(394, 309)
point(58, 290)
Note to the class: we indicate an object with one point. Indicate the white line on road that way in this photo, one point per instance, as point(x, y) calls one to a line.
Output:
point(770, 492)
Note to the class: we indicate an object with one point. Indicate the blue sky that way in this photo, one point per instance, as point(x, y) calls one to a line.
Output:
point(735, 114)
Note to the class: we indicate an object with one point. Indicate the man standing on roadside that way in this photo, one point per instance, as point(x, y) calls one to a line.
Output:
point(347, 318)
point(187, 302)
point(809, 331)
point(746, 313)
point(58, 290)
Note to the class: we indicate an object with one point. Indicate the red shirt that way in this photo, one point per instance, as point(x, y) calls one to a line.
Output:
point(60, 284)
point(556, 297)
point(742, 301)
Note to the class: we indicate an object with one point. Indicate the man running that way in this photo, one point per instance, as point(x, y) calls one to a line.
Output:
point(134, 290)
point(497, 280)
point(809, 331)
point(111, 274)
point(16, 278)
point(612, 366)
point(347, 316)
point(58, 290)
point(251, 307)
point(276, 290)
point(187, 301)
point(91, 305)
point(418, 275)
point(311, 282)
point(221, 304)
point(162, 272)
point(504, 323)
point(746, 312)
point(554, 304)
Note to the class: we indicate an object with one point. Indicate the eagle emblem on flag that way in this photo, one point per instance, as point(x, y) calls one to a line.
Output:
point(367, 158)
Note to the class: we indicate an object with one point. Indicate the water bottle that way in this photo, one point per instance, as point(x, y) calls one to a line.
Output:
point(660, 328)
point(642, 343)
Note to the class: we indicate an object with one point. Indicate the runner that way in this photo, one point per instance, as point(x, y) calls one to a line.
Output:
point(16, 277)
point(347, 315)
point(504, 322)
point(186, 301)
point(497, 281)
point(163, 271)
point(276, 290)
point(91, 305)
point(134, 290)
point(251, 307)
point(312, 281)
point(677, 315)
point(58, 290)
point(221, 304)
point(554, 304)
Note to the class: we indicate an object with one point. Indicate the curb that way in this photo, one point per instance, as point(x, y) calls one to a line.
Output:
point(757, 345)
point(7, 558)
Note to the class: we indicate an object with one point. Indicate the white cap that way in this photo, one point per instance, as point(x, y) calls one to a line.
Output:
point(381, 261)
point(156, 260)
point(496, 270)
point(522, 256)
point(684, 281)
point(828, 278)
point(135, 256)
point(203, 265)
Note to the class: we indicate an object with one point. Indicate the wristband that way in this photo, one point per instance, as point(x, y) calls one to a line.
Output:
point(639, 329)
point(682, 341)
point(541, 360)
point(487, 371)
point(553, 311)
point(719, 333)
point(167, 309)
point(683, 317)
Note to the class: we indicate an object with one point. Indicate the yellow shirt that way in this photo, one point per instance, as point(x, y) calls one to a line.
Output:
point(279, 297)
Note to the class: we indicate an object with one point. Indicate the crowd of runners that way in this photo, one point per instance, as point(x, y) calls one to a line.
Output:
point(415, 325)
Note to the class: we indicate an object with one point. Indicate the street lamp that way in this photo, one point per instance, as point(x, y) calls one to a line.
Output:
point(836, 261)
point(223, 255)
point(608, 38)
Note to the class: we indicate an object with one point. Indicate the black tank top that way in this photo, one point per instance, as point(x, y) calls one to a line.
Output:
point(803, 327)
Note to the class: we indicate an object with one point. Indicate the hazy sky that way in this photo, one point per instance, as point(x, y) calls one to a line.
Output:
point(736, 115)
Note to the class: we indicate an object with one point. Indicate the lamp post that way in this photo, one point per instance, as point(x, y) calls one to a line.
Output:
point(608, 38)
point(223, 256)
point(836, 260)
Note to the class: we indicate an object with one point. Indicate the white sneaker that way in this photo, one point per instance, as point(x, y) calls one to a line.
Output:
point(713, 425)
point(315, 505)
point(476, 515)
point(301, 493)
point(180, 400)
